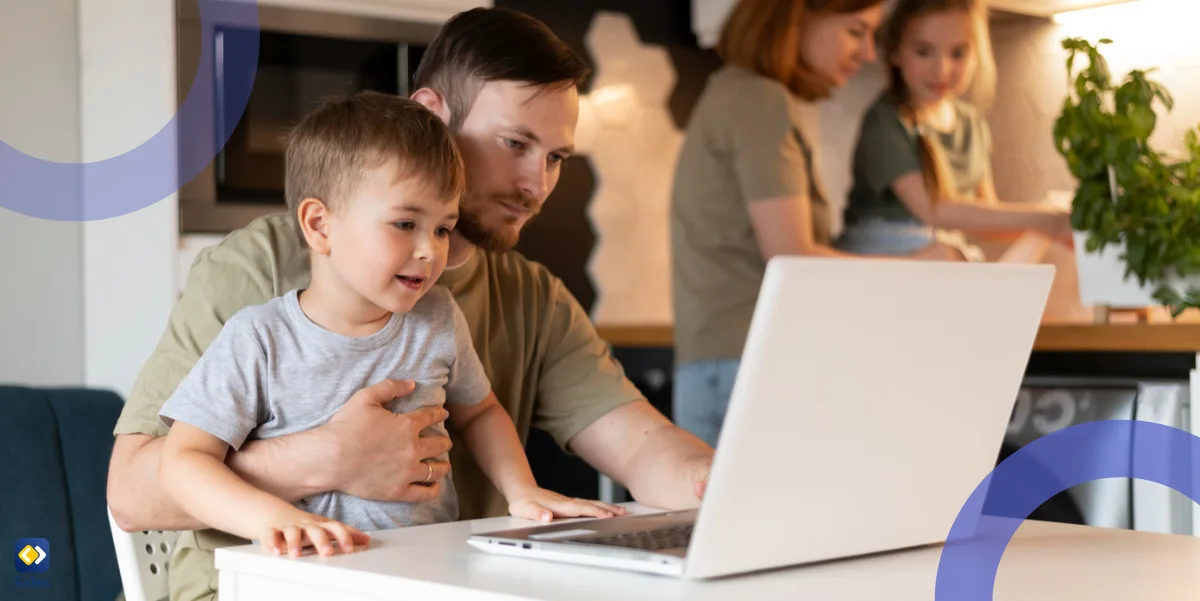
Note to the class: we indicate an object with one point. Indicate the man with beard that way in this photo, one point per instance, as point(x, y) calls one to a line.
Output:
point(508, 88)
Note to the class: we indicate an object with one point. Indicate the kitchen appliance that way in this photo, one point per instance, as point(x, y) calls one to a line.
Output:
point(1047, 404)
point(304, 56)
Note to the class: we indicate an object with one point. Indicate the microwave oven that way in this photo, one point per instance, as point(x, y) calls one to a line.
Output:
point(304, 56)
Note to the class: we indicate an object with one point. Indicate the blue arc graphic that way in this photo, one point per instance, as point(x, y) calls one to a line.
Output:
point(145, 175)
point(1044, 468)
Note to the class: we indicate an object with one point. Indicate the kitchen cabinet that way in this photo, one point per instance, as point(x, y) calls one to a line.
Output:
point(1047, 8)
point(708, 16)
point(431, 11)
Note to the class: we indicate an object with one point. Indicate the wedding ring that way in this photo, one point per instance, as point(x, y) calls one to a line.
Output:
point(430, 474)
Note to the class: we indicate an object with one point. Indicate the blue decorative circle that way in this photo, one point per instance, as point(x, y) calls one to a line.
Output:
point(1044, 468)
point(145, 175)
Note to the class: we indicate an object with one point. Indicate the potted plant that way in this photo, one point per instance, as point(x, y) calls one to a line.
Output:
point(1136, 211)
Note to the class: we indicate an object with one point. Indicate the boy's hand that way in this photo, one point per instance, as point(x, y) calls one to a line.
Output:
point(295, 530)
point(543, 505)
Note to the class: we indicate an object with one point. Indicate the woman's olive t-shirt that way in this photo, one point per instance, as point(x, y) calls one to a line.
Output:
point(887, 149)
point(749, 139)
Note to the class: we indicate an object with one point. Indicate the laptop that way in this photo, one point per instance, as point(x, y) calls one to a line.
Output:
point(872, 399)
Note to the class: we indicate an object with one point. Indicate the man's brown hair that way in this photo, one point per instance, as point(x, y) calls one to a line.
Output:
point(765, 36)
point(482, 45)
point(333, 146)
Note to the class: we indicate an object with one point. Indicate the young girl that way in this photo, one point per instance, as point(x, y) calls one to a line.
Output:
point(921, 167)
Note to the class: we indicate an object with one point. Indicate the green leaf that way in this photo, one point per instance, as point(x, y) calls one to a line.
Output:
point(1155, 207)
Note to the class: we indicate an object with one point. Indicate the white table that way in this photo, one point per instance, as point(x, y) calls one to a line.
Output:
point(431, 563)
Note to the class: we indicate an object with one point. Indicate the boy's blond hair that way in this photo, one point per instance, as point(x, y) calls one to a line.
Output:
point(332, 147)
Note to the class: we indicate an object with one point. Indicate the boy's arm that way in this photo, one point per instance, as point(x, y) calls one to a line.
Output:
point(492, 440)
point(194, 475)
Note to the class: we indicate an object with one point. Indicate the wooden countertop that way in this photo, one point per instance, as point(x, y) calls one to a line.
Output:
point(1153, 337)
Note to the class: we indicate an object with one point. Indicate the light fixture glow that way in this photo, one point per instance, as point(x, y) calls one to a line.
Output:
point(1128, 14)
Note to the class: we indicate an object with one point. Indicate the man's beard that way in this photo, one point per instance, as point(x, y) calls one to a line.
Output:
point(494, 238)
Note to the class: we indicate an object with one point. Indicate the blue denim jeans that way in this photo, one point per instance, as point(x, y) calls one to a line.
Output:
point(900, 237)
point(884, 237)
point(701, 397)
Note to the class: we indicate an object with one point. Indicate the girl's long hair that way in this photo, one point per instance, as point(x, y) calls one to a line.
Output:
point(934, 165)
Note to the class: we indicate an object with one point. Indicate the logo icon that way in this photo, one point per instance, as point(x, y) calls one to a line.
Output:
point(158, 167)
point(32, 555)
point(1045, 467)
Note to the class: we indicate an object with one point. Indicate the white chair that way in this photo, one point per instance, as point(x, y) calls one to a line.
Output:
point(142, 559)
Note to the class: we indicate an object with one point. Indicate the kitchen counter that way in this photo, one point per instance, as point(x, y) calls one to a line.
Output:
point(1170, 338)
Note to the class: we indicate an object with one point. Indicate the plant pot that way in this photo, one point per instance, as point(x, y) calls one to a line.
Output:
point(1102, 278)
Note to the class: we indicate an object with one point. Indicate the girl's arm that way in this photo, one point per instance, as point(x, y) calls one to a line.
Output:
point(974, 216)
point(783, 226)
point(986, 190)
point(194, 475)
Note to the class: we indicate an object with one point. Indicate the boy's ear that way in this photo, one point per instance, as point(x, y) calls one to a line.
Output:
point(313, 215)
point(434, 102)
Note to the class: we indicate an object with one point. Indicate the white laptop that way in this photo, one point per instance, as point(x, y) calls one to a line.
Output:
point(871, 401)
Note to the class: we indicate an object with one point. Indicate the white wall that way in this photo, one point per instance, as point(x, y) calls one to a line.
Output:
point(128, 95)
point(1033, 82)
point(83, 304)
point(41, 262)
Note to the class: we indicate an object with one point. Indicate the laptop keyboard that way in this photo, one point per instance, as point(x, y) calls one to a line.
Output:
point(647, 540)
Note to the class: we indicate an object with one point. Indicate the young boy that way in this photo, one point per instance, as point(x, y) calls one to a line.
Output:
point(373, 183)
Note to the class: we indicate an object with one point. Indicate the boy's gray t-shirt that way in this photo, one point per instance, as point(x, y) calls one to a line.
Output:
point(271, 372)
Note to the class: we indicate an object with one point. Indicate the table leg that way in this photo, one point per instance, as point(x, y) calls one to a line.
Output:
point(610, 491)
point(1193, 410)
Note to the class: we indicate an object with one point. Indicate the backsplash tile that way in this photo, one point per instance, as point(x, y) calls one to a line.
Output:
point(633, 141)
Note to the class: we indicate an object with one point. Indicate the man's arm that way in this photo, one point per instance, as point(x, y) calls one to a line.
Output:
point(290, 467)
point(365, 450)
point(661, 464)
point(588, 405)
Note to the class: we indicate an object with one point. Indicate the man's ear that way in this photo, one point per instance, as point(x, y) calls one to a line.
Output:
point(434, 102)
point(314, 216)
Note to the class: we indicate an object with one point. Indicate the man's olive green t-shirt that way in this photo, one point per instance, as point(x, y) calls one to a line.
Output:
point(888, 148)
point(748, 139)
point(546, 362)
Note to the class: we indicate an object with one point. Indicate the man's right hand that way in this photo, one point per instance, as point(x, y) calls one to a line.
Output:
point(381, 455)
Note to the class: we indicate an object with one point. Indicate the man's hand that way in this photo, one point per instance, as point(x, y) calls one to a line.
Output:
point(381, 455)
